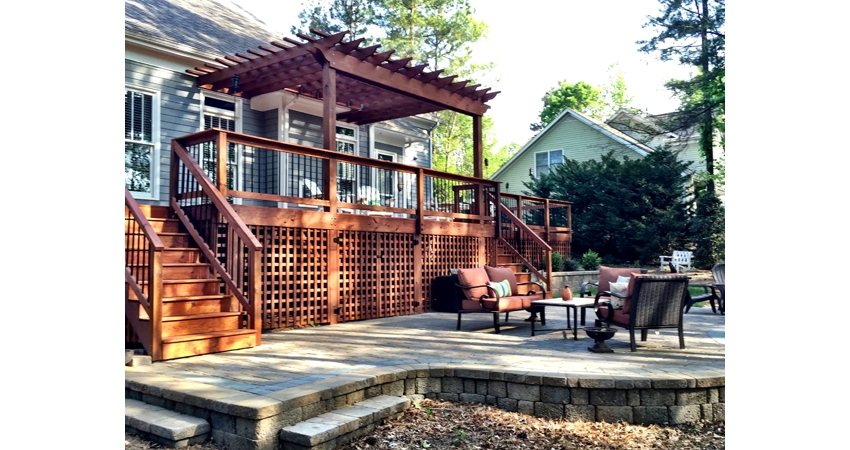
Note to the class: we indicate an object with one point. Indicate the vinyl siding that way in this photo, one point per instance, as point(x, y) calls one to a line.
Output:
point(579, 141)
point(179, 112)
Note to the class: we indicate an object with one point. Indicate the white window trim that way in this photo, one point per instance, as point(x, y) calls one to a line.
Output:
point(548, 159)
point(394, 157)
point(155, 138)
point(236, 116)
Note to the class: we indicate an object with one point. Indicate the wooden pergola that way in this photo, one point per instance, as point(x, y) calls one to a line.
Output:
point(367, 84)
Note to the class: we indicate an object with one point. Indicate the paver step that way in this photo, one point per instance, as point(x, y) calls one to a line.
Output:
point(333, 429)
point(165, 427)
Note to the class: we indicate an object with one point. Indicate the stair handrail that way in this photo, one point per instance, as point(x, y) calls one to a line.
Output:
point(534, 237)
point(151, 336)
point(235, 223)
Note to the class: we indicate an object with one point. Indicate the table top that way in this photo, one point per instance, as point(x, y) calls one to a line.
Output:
point(575, 302)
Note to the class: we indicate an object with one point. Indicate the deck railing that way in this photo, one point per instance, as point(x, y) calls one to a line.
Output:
point(323, 180)
point(143, 277)
point(535, 227)
point(224, 239)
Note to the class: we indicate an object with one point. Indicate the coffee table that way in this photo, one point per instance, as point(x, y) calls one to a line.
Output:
point(574, 304)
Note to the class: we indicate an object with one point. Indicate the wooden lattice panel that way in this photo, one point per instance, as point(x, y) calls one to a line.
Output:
point(294, 266)
point(397, 287)
point(441, 253)
point(358, 275)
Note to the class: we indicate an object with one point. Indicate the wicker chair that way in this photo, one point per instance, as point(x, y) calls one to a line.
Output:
point(656, 302)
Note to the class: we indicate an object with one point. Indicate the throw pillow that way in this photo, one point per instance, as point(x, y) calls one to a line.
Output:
point(622, 279)
point(502, 288)
point(619, 289)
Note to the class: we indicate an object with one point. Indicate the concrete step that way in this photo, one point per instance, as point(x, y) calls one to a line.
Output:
point(333, 429)
point(165, 427)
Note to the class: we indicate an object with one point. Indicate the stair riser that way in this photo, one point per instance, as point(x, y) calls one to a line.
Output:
point(178, 273)
point(174, 240)
point(201, 325)
point(165, 226)
point(522, 277)
point(204, 346)
point(517, 268)
point(185, 307)
point(504, 259)
point(171, 256)
point(206, 287)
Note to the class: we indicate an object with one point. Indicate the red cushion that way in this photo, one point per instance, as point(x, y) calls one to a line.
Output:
point(513, 303)
point(607, 275)
point(497, 274)
point(473, 277)
point(621, 316)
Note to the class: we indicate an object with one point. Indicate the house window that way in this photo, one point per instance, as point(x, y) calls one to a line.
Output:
point(545, 161)
point(346, 142)
point(141, 133)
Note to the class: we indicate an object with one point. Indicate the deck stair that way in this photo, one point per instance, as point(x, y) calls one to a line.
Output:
point(197, 318)
point(506, 259)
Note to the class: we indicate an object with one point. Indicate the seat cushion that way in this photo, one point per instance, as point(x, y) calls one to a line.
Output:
point(512, 303)
point(502, 274)
point(621, 316)
point(473, 277)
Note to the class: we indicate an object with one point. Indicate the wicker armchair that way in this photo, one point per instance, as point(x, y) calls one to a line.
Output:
point(656, 302)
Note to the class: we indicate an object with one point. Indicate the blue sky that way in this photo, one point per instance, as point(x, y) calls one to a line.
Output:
point(542, 42)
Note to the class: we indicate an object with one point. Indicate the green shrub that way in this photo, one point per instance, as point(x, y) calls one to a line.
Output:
point(590, 260)
point(557, 262)
point(571, 265)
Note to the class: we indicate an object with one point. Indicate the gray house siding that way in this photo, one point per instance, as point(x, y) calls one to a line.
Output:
point(179, 112)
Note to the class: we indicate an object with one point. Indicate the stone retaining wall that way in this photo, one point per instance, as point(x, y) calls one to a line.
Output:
point(242, 420)
point(572, 279)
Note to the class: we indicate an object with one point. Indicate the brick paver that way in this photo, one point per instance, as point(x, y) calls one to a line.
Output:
point(305, 356)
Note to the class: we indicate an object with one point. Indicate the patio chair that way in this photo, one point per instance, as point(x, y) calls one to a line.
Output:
point(655, 302)
point(712, 290)
point(481, 295)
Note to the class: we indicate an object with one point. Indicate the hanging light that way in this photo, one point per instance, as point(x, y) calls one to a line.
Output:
point(400, 184)
point(234, 84)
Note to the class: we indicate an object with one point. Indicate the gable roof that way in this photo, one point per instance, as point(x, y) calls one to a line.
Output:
point(602, 127)
point(209, 26)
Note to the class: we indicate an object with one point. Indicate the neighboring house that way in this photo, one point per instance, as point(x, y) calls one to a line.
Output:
point(571, 135)
point(165, 38)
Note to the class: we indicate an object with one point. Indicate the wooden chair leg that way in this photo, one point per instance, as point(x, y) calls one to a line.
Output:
point(496, 322)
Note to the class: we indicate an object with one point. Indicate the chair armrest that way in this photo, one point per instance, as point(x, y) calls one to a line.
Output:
point(540, 286)
point(585, 289)
point(707, 295)
point(596, 304)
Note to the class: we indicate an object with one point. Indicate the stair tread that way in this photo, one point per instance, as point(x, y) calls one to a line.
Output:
point(185, 280)
point(323, 430)
point(166, 424)
point(207, 335)
point(200, 316)
point(195, 297)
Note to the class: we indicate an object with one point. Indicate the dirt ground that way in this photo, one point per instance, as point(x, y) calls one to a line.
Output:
point(440, 425)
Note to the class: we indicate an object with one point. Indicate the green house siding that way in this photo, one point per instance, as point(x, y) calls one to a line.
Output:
point(579, 141)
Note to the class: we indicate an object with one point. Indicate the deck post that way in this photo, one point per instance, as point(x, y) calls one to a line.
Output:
point(221, 163)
